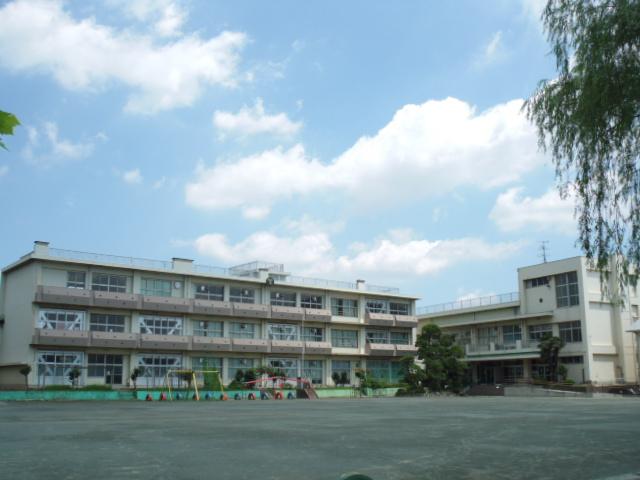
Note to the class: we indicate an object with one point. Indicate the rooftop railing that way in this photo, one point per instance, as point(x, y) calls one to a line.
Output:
point(112, 259)
point(239, 271)
point(470, 303)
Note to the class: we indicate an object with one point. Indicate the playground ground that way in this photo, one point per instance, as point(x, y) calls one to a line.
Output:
point(385, 438)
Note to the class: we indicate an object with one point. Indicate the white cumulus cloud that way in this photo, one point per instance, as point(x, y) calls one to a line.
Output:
point(425, 150)
point(166, 16)
point(46, 148)
point(254, 182)
point(513, 212)
point(41, 36)
point(4, 169)
point(132, 177)
point(398, 252)
point(254, 121)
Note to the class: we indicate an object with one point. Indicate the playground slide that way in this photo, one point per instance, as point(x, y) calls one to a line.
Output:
point(311, 393)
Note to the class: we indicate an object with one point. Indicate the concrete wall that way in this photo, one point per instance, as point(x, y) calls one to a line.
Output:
point(19, 314)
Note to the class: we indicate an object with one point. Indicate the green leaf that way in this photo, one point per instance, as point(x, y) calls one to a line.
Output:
point(8, 121)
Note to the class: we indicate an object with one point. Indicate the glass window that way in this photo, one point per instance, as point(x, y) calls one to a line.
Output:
point(313, 369)
point(54, 367)
point(156, 367)
point(311, 301)
point(105, 366)
point(344, 338)
point(536, 332)
point(570, 332)
point(288, 365)
point(157, 325)
point(283, 299)
point(313, 334)
point(76, 279)
point(511, 333)
point(540, 370)
point(61, 320)
point(384, 370)
point(206, 363)
point(344, 307)
point(103, 322)
point(106, 282)
point(236, 364)
point(282, 331)
point(242, 295)
point(205, 291)
point(154, 287)
point(567, 289)
point(463, 338)
point(399, 337)
point(572, 360)
point(340, 367)
point(377, 336)
point(243, 330)
point(398, 308)
point(511, 373)
point(487, 335)
point(207, 329)
point(377, 306)
point(537, 282)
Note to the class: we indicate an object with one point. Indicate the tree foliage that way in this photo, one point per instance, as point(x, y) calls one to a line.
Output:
point(414, 375)
point(549, 349)
point(8, 121)
point(589, 119)
point(443, 364)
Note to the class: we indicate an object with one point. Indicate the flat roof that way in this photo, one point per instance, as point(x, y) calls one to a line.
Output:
point(278, 276)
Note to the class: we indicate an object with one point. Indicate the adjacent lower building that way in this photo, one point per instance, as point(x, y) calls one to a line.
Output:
point(501, 333)
point(105, 315)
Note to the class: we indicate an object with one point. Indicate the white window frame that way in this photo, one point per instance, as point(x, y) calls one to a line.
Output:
point(283, 331)
point(65, 319)
point(50, 370)
point(160, 325)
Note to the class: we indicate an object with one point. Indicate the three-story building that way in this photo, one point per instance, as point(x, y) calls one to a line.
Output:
point(106, 315)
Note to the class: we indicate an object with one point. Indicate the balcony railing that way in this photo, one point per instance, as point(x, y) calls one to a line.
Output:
point(517, 347)
point(470, 303)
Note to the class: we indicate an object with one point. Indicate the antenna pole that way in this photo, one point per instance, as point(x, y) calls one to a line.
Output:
point(544, 250)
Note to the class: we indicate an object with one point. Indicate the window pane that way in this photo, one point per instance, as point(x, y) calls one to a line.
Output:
point(243, 330)
point(344, 338)
point(242, 295)
point(311, 301)
point(344, 307)
point(157, 325)
point(207, 329)
point(76, 279)
point(284, 299)
point(205, 291)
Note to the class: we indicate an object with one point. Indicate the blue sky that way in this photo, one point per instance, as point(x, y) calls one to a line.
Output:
point(375, 140)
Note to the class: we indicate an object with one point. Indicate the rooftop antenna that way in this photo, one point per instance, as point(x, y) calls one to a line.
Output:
point(544, 250)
